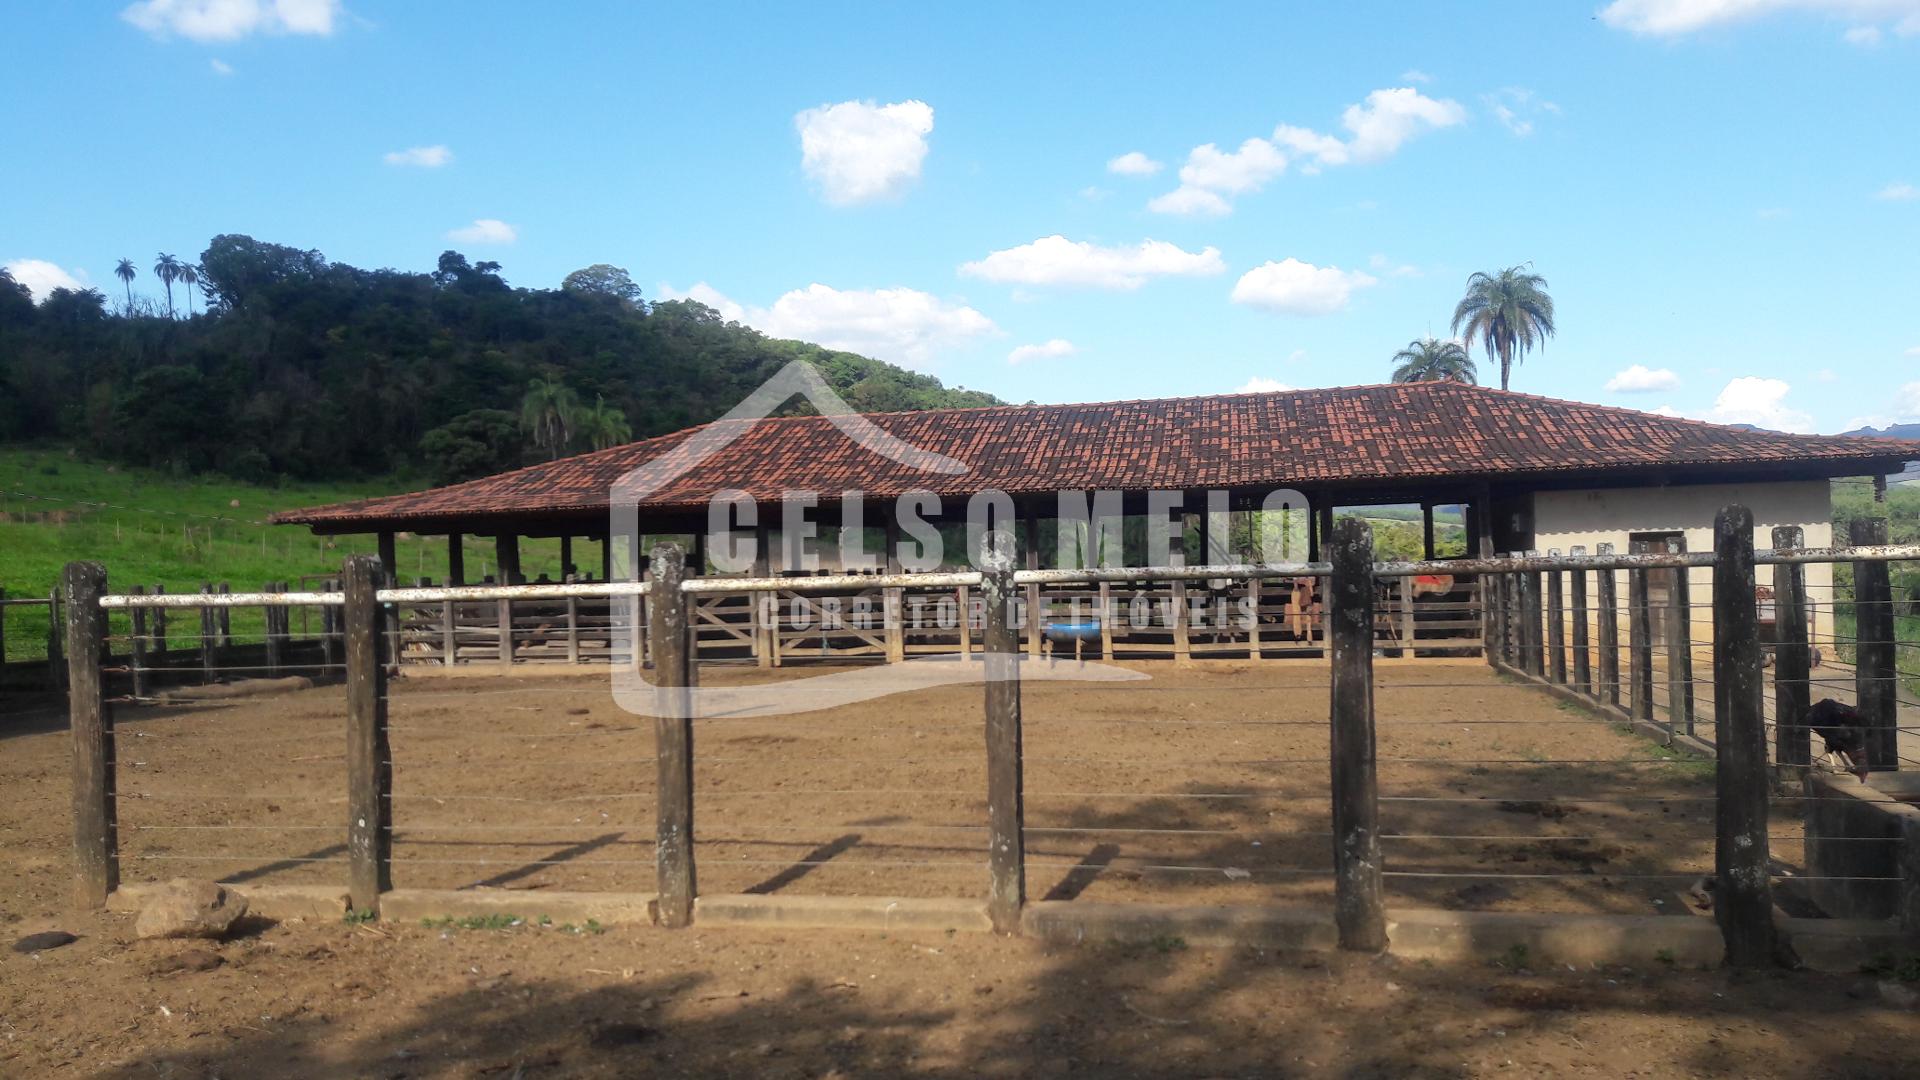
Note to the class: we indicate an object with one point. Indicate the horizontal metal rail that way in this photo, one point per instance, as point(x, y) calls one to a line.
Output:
point(948, 579)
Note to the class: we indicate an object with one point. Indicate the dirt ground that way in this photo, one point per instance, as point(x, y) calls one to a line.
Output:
point(1203, 784)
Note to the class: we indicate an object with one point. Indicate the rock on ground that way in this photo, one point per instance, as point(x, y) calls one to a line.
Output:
point(184, 908)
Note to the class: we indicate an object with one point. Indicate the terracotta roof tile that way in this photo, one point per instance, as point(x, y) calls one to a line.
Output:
point(1421, 431)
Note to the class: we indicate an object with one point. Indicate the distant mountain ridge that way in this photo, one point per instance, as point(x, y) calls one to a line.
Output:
point(1894, 431)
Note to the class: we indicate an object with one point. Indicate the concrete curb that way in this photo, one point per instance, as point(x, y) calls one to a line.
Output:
point(841, 912)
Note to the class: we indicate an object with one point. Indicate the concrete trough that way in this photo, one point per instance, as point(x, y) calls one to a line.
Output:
point(1863, 846)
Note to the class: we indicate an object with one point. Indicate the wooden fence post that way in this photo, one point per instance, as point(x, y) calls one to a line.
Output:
point(1743, 898)
point(331, 620)
point(1493, 594)
point(1533, 647)
point(1639, 638)
point(1106, 622)
point(1607, 626)
point(671, 641)
point(1582, 641)
point(1358, 905)
point(271, 614)
point(1253, 617)
point(96, 833)
point(1182, 616)
point(1006, 793)
point(1792, 656)
point(1680, 643)
point(1556, 626)
point(503, 615)
point(369, 772)
point(225, 617)
point(1876, 679)
point(137, 645)
point(208, 627)
point(159, 638)
point(449, 632)
point(573, 624)
point(56, 628)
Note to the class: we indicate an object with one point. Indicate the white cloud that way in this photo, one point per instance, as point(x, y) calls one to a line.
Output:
point(421, 157)
point(1516, 107)
point(1898, 192)
point(1640, 379)
point(1760, 402)
point(858, 151)
point(1415, 75)
point(900, 326)
point(1296, 288)
point(1392, 269)
point(1056, 260)
point(1049, 350)
point(485, 231)
point(231, 20)
point(1260, 384)
point(1376, 128)
point(42, 277)
point(1864, 36)
point(1190, 202)
point(1134, 163)
point(1672, 18)
point(220, 67)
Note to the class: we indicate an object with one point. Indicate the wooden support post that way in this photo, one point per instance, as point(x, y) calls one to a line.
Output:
point(1556, 628)
point(566, 557)
point(1358, 906)
point(1680, 643)
point(1607, 627)
point(456, 559)
point(369, 768)
point(1639, 638)
point(137, 645)
point(207, 625)
point(1426, 530)
point(1742, 895)
point(1006, 810)
point(1792, 656)
point(506, 556)
point(96, 832)
point(1532, 646)
point(270, 614)
point(1876, 686)
point(1582, 641)
point(389, 561)
point(673, 737)
point(1036, 619)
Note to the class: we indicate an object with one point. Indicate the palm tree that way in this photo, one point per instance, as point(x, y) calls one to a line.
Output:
point(1428, 360)
point(190, 274)
point(1510, 312)
point(126, 273)
point(548, 412)
point(601, 425)
point(167, 269)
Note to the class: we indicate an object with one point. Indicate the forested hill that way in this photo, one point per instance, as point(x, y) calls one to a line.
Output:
point(300, 367)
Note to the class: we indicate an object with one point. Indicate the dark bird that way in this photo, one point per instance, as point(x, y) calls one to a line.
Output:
point(1845, 735)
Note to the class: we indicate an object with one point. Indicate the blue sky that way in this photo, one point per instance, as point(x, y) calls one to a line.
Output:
point(1725, 194)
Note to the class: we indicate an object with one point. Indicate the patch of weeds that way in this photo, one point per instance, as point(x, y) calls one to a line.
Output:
point(1167, 943)
point(593, 927)
point(1514, 959)
point(495, 921)
point(1665, 956)
point(441, 923)
point(357, 916)
point(1688, 765)
point(1903, 968)
point(546, 920)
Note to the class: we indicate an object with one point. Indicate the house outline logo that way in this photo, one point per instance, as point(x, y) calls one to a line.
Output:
point(632, 690)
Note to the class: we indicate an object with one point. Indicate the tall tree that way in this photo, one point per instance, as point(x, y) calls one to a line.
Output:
point(1509, 312)
point(548, 412)
point(600, 425)
point(126, 273)
point(189, 275)
point(1428, 360)
point(167, 269)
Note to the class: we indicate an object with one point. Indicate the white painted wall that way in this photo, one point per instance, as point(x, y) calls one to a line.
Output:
point(1565, 519)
